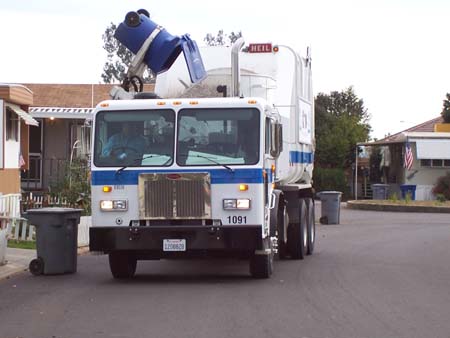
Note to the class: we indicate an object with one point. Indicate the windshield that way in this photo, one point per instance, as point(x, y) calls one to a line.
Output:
point(134, 138)
point(218, 136)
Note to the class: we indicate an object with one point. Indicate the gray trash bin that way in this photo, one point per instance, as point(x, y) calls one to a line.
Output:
point(56, 240)
point(380, 191)
point(331, 206)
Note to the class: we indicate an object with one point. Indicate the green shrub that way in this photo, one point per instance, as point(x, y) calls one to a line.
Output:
point(75, 187)
point(331, 179)
point(440, 198)
point(408, 197)
point(442, 186)
point(393, 197)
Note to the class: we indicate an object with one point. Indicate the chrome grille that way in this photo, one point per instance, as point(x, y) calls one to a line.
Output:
point(175, 196)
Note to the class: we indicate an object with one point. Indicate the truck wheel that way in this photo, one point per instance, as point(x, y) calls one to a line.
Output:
point(298, 235)
point(261, 266)
point(122, 265)
point(283, 221)
point(311, 226)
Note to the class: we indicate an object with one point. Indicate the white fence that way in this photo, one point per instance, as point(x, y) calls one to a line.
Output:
point(18, 228)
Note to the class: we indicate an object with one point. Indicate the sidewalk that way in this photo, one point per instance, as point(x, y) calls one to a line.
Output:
point(19, 259)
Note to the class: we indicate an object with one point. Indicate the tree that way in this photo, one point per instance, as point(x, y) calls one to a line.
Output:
point(118, 58)
point(222, 39)
point(446, 109)
point(341, 122)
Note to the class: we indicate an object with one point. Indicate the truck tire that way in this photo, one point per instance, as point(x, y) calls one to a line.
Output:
point(261, 266)
point(297, 234)
point(311, 226)
point(122, 265)
point(283, 219)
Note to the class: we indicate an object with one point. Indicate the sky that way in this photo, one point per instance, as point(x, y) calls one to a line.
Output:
point(395, 53)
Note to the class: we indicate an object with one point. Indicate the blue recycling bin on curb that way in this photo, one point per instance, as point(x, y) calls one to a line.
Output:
point(331, 207)
point(56, 240)
point(408, 189)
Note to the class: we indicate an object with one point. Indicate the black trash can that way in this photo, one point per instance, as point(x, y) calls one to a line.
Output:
point(56, 240)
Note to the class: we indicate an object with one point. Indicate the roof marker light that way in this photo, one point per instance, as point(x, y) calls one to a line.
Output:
point(252, 101)
point(161, 103)
point(176, 103)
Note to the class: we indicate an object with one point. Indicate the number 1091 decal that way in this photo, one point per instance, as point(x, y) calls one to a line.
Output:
point(237, 219)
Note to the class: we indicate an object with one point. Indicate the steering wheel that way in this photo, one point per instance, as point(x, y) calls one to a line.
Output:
point(122, 149)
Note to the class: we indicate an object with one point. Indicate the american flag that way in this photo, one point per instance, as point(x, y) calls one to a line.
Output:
point(21, 161)
point(408, 160)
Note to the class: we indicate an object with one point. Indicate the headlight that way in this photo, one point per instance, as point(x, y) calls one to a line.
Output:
point(243, 204)
point(114, 205)
point(233, 204)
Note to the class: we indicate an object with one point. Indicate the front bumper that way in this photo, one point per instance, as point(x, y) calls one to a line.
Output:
point(147, 241)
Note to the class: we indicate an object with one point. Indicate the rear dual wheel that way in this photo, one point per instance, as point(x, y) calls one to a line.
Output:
point(298, 234)
point(311, 226)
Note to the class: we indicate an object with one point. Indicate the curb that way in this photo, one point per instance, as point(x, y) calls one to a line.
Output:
point(11, 269)
point(397, 208)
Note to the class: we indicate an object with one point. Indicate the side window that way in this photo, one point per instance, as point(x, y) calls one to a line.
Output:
point(12, 125)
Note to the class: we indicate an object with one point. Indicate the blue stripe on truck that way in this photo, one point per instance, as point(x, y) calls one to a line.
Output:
point(300, 157)
point(218, 176)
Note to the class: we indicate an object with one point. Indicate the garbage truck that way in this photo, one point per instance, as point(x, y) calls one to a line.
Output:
point(217, 162)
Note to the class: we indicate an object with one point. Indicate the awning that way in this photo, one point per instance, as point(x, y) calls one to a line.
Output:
point(432, 149)
point(22, 114)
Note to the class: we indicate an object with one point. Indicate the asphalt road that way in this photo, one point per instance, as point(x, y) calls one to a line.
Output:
point(374, 275)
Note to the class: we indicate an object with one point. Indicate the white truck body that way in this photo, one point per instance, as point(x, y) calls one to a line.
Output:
point(205, 175)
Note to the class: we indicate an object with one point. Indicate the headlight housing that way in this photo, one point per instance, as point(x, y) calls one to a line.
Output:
point(236, 204)
point(114, 205)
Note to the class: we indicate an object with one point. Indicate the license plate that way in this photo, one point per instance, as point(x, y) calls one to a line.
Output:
point(174, 245)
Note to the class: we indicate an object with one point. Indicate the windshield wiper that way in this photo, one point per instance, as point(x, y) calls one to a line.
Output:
point(136, 160)
point(231, 170)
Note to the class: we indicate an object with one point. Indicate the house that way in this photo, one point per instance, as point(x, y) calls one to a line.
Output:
point(14, 134)
point(430, 150)
point(64, 133)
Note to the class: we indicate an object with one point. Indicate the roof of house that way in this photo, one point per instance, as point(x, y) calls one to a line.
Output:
point(71, 95)
point(417, 131)
point(16, 93)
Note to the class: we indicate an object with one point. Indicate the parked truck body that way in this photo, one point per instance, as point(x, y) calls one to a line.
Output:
point(213, 177)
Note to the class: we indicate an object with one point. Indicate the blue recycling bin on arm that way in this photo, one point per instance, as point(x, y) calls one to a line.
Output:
point(164, 48)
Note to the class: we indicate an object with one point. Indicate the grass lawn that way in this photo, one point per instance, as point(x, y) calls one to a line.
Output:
point(22, 244)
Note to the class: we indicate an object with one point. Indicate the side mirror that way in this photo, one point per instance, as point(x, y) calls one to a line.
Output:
point(276, 142)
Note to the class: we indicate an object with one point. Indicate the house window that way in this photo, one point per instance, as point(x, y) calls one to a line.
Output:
point(80, 140)
point(12, 125)
point(425, 163)
point(435, 163)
